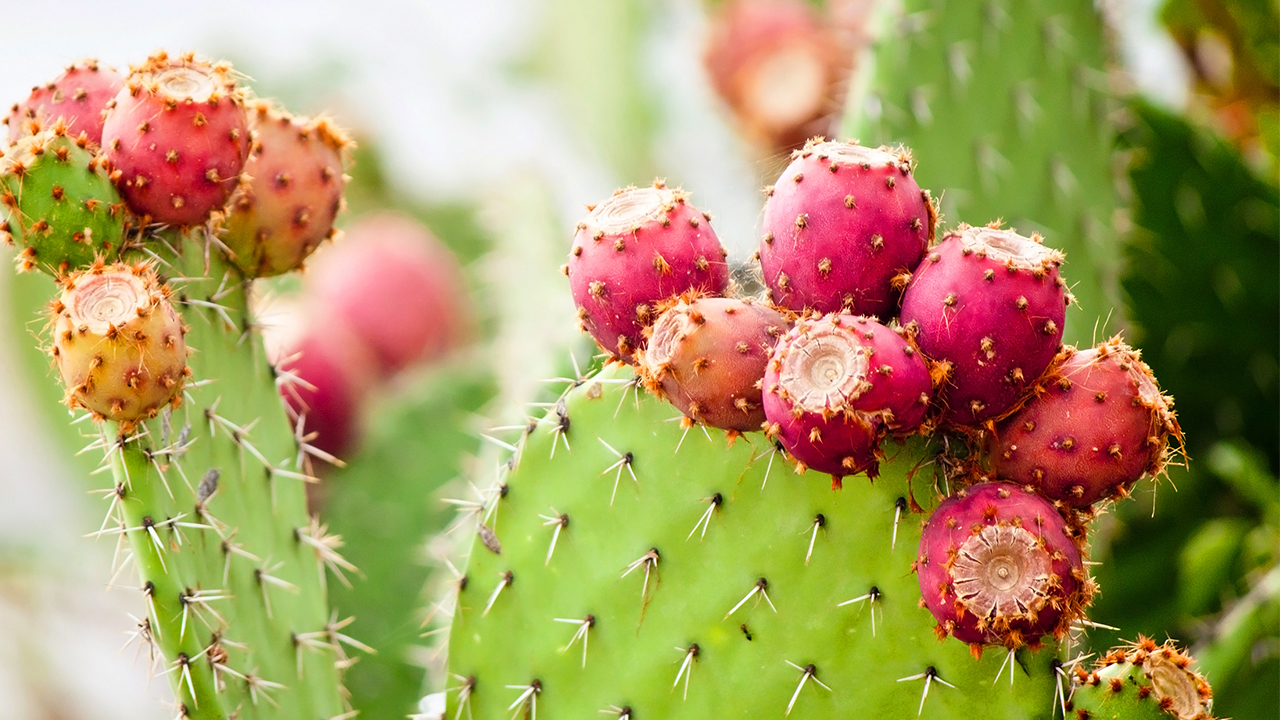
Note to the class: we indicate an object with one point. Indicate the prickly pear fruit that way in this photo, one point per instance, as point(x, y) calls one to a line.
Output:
point(840, 225)
point(1097, 425)
point(58, 203)
point(1142, 681)
point(635, 250)
point(991, 305)
point(335, 373)
point(999, 566)
point(118, 343)
point(778, 67)
point(707, 357)
point(178, 136)
point(293, 193)
point(836, 385)
point(396, 288)
point(79, 96)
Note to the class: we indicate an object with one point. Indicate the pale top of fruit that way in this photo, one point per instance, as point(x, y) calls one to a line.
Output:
point(851, 154)
point(109, 299)
point(630, 208)
point(1174, 684)
point(1001, 570)
point(824, 370)
point(1009, 248)
point(184, 83)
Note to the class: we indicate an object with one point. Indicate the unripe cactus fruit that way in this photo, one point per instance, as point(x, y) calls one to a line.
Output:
point(1097, 425)
point(991, 305)
point(58, 204)
point(638, 248)
point(1142, 680)
point(998, 567)
point(292, 195)
point(78, 96)
point(707, 357)
point(840, 225)
point(118, 343)
point(178, 137)
point(778, 67)
point(396, 288)
point(836, 385)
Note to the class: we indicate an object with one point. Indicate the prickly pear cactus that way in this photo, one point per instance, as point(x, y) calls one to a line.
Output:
point(639, 568)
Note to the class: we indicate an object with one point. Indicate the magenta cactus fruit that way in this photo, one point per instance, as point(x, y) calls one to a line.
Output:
point(842, 227)
point(990, 305)
point(707, 357)
point(293, 193)
point(999, 566)
point(1098, 424)
point(334, 373)
point(79, 96)
point(396, 287)
point(778, 66)
point(177, 137)
point(638, 248)
point(836, 386)
point(118, 343)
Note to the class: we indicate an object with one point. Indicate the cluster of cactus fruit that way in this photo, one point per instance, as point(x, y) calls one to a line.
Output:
point(154, 199)
point(877, 345)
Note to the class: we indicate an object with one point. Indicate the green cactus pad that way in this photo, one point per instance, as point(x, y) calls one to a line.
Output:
point(1005, 106)
point(720, 519)
point(58, 204)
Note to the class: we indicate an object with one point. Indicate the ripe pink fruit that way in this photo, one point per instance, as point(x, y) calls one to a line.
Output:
point(990, 304)
point(294, 192)
point(778, 67)
point(178, 137)
point(997, 566)
point(396, 287)
point(840, 225)
point(635, 250)
point(79, 96)
point(334, 374)
point(707, 357)
point(1098, 425)
point(118, 343)
point(836, 386)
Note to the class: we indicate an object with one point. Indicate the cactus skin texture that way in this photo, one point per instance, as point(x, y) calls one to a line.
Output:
point(58, 204)
point(1142, 681)
point(79, 96)
point(719, 547)
point(999, 565)
point(707, 356)
point(1095, 426)
point(178, 137)
point(118, 343)
point(991, 304)
point(294, 192)
point(635, 250)
point(840, 225)
point(1027, 141)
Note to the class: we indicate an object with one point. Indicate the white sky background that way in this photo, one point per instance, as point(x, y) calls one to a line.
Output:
point(430, 80)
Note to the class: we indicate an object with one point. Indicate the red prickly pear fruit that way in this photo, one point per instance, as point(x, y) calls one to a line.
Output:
point(778, 67)
point(79, 96)
point(999, 566)
point(396, 287)
point(633, 251)
point(330, 373)
point(287, 207)
point(829, 401)
point(118, 343)
point(1097, 424)
point(989, 305)
point(176, 138)
point(844, 225)
point(707, 357)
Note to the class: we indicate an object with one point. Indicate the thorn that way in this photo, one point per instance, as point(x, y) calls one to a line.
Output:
point(560, 521)
point(584, 626)
point(624, 460)
point(819, 521)
point(873, 596)
point(686, 667)
point(929, 675)
point(898, 506)
point(761, 587)
point(1008, 660)
point(505, 582)
point(528, 700)
point(650, 561)
point(714, 502)
point(809, 672)
point(464, 694)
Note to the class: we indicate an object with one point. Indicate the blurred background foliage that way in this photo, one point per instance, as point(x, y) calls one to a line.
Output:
point(623, 83)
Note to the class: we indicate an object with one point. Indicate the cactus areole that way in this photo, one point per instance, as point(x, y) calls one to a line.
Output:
point(635, 250)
